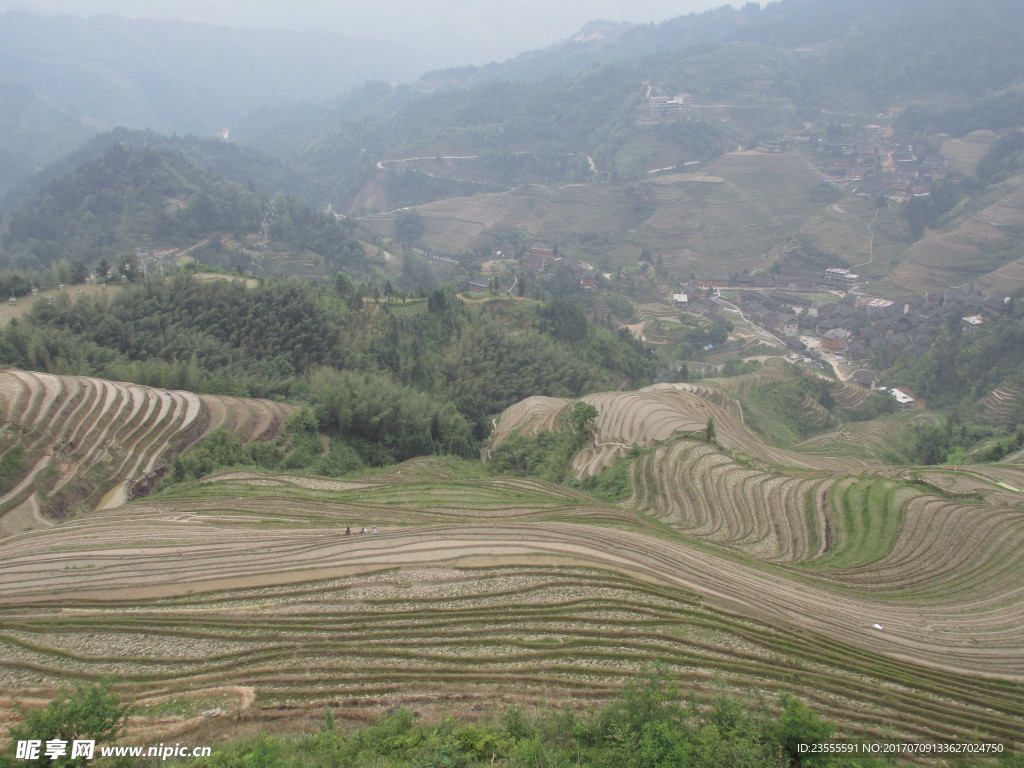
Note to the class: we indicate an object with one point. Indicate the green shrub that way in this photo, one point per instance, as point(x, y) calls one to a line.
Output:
point(10, 466)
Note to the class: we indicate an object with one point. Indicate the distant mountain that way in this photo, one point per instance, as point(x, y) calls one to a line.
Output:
point(875, 46)
point(33, 131)
point(235, 163)
point(577, 111)
point(64, 78)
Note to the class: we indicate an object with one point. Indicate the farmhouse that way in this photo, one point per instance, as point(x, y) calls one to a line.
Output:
point(840, 275)
point(835, 340)
point(660, 105)
point(536, 260)
point(712, 281)
point(865, 378)
point(790, 299)
point(997, 305)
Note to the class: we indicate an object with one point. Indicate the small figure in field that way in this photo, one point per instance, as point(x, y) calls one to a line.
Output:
point(364, 531)
point(348, 530)
point(375, 530)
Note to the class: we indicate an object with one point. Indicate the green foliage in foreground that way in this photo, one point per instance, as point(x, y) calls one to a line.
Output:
point(648, 726)
point(88, 712)
point(392, 380)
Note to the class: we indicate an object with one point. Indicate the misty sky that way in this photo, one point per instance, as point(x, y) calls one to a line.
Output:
point(442, 32)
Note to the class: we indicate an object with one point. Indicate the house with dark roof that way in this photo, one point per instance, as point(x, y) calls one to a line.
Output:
point(865, 378)
point(835, 340)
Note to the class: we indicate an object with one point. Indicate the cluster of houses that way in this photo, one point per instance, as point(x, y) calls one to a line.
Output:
point(776, 312)
point(831, 279)
point(847, 160)
point(857, 327)
point(542, 261)
point(861, 327)
point(899, 188)
point(904, 177)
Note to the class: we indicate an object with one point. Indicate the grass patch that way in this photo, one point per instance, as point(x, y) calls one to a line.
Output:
point(864, 526)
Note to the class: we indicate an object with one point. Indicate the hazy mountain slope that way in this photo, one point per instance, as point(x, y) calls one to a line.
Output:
point(105, 71)
point(126, 199)
point(734, 213)
point(33, 131)
point(159, 200)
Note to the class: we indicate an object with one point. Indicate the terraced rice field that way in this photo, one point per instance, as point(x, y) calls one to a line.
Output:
point(866, 440)
point(997, 406)
point(964, 154)
point(737, 561)
point(957, 256)
point(837, 231)
point(457, 224)
point(88, 442)
point(748, 203)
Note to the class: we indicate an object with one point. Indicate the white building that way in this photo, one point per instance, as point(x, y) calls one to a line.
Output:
point(902, 397)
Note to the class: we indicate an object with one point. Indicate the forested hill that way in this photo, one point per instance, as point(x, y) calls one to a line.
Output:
point(153, 199)
point(127, 199)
